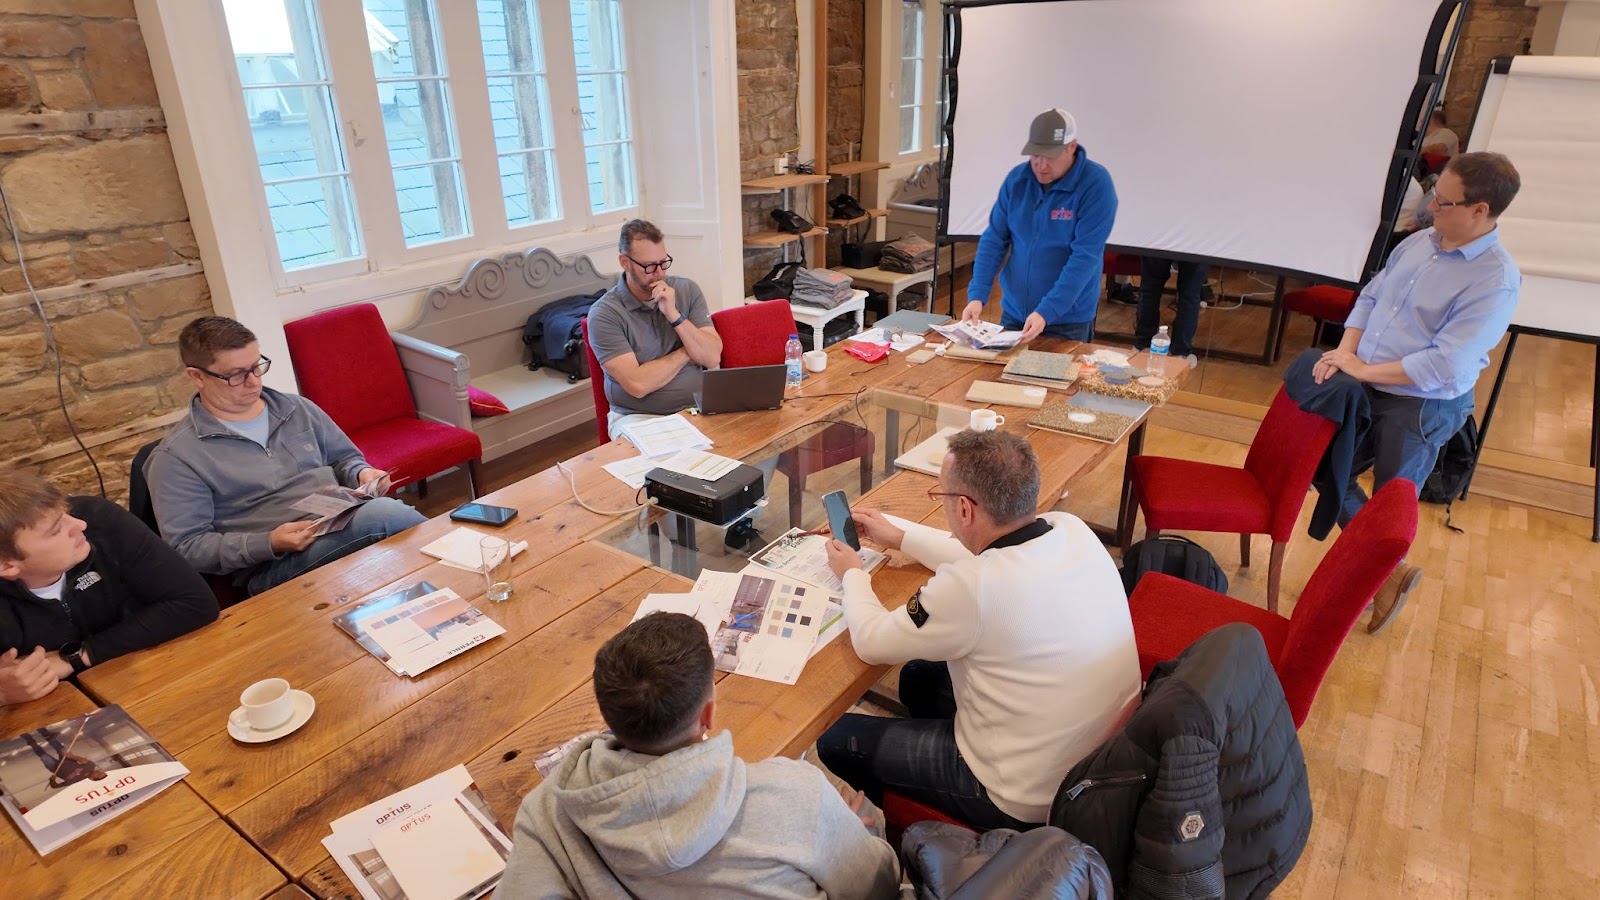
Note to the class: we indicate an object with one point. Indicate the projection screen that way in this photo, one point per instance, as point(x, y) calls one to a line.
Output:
point(1262, 133)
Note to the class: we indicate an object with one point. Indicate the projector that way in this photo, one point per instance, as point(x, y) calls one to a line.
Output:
point(717, 502)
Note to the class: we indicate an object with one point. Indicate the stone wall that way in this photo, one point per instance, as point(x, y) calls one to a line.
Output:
point(93, 190)
point(1492, 28)
point(770, 70)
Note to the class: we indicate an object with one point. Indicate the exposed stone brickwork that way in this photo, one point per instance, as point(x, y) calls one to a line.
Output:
point(87, 205)
point(1492, 28)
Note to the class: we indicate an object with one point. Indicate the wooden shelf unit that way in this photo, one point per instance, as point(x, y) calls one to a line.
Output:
point(773, 184)
point(854, 167)
point(846, 223)
point(769, 239)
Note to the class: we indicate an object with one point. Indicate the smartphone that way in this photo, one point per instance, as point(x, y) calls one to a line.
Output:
point(483, 513)
point(844, 527)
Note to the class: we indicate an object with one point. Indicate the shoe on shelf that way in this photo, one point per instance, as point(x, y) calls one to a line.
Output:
point(790, 222)
point(1393, 595)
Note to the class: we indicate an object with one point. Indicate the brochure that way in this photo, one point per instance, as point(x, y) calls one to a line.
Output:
point(770, 624)
point(352, 842)
point(980, 335)
point(803, 556)
point(416, 635)
point(663, 436)
point(335, 505)
point(350, 620)
point(63, 780)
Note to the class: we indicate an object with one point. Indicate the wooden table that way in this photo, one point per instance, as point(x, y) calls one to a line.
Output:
point(501, 704)
point(168, 846)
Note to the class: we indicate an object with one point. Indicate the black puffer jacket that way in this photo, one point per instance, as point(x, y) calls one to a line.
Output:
point(1203, 793)
point(948, 862)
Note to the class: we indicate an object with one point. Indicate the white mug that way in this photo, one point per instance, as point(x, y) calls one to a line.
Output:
point(985, 420)
point(816, 360)
point(267, 704)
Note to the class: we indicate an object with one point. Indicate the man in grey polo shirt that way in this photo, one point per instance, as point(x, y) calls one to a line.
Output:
point(651, 333)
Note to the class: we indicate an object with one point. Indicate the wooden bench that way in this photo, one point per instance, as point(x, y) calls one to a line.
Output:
point(471, 332)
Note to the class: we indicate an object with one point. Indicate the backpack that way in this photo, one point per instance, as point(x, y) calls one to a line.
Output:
point(1172, 555)
point(1453, 469)
point(554, 336)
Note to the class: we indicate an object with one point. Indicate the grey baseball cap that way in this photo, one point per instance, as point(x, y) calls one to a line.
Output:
point(1051, 130)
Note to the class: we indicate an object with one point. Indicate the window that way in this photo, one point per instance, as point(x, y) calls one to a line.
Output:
point(519, 105)
point(367, 156)
point(911, 44)
point(288, 99)
point(603, 98)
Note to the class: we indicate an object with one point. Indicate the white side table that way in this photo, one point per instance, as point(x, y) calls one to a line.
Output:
point(817, 317)
point(891, 283)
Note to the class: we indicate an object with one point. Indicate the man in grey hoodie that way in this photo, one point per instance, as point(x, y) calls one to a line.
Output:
point(662, 809)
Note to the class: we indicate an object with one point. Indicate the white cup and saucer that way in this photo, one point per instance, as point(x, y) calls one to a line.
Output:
point(269, 710)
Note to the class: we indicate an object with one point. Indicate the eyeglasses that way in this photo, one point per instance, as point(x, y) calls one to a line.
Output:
point(238, 378)
point(934, 495)
point(1446, 204)
point(652, 267)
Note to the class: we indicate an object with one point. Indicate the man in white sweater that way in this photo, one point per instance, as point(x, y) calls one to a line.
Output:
point(1019, 653)
point(661, 808)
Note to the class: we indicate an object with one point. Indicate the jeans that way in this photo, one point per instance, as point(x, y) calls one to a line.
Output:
point(916, 757)
point(374, 520)
point(1070, 331)
point(1152, 278)
point(1403, 442)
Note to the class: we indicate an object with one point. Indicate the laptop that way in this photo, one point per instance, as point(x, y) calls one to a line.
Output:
point(740, 390)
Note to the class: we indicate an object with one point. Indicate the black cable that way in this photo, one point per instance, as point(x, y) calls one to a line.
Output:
point(50, 341)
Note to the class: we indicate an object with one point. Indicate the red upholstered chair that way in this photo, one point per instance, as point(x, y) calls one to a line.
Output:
point(597, 386)
point(754, 334)
point(346, 364)
point(900, 813)
point(1169, 613)
point(1264, 497)
point(1322, 302)
point(1115, 264)
point(1433, 163)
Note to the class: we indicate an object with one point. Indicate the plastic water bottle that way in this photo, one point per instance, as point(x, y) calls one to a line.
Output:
point(1160, 346)
point(792, 359)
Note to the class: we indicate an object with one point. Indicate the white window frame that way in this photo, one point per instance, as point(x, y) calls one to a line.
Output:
point(342, 23)
point(919, 91)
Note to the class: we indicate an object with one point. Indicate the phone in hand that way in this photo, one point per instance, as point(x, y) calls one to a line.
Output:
point(839, 521)
point(483, 514)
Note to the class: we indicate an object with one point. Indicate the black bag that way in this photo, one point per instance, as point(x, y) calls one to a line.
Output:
point(1453, 469)
point(1172, 555)
point(554, 336)
point(865, 255)
point(778, 284)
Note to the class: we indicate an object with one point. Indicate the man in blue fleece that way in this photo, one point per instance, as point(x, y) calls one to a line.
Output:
point(1047, 237)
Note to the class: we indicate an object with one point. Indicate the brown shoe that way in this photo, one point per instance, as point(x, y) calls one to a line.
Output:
point(1392, 596)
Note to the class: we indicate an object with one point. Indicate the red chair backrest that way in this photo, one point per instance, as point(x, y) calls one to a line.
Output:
point(1367, 550)
point(597, 386)
point(346, 363)
point(754, 334)
point(1283, 458)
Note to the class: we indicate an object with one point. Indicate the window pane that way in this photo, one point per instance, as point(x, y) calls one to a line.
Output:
point(528, 182)
point(910, 31)
point(402, 36)
point(910, 129)
point(519, 107)
point(278, 46)
point(910, 77)
point(603, 99)
point(910, 81)
point(430, 202)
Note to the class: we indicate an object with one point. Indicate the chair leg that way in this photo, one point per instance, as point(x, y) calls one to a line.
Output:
point(422, 488)
point(797, 488)
point(1275, 573)
point(1150, 533)
point(1244, 551)
point(475, 478)
point(866, 473)
point(1283, 325)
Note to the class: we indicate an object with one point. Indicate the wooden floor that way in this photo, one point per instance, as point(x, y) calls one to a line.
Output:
point(1455, 755)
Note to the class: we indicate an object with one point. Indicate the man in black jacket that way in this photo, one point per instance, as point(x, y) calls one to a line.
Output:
point(83, 581)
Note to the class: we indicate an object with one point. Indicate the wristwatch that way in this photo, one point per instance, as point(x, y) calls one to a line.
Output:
point(682, 318)
point(72, 652)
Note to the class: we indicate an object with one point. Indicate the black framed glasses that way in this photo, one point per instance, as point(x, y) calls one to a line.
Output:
point(934, 495)
point(652, 267)
point(237, 379)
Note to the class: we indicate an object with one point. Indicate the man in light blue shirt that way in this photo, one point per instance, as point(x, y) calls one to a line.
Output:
point(1421, 332)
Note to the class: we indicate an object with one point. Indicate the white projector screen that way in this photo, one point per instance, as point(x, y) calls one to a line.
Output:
point(1544, 113)
point(1257, 132)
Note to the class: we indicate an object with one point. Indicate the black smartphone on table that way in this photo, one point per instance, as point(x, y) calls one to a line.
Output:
point(839, 520)
point(483, 514)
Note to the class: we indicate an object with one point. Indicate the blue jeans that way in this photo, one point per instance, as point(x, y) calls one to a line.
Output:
point(1071, 331)
point(1152, 278)
point(916, 757)
point(373, 521)
point(1403, 442)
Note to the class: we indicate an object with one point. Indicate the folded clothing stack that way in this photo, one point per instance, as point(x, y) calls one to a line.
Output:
point(821, 287)
point(910, 253)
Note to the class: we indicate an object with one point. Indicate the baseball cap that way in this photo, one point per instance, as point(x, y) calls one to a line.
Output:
point(1051, 130)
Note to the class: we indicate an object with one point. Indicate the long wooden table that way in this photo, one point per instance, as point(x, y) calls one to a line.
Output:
point(498, 706)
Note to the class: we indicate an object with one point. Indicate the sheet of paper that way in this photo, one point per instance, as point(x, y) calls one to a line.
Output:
point(773, 658)
point(439, 853)
point(833, 625)
point(321, 505)
point(664, 436)
point(770, 624)
point(699, 464)
point(897, 341)
point(804, 557)
point(460, 549)
point(688, 604)
point(631, 471)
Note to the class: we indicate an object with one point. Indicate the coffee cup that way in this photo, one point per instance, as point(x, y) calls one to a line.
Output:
point(267, 704)
point(985, 420)
point(816, 360)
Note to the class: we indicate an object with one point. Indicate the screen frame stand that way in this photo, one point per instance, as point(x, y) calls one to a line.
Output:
point(1432, 66)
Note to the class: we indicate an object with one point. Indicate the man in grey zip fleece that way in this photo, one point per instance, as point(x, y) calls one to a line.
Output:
point(224, 478)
